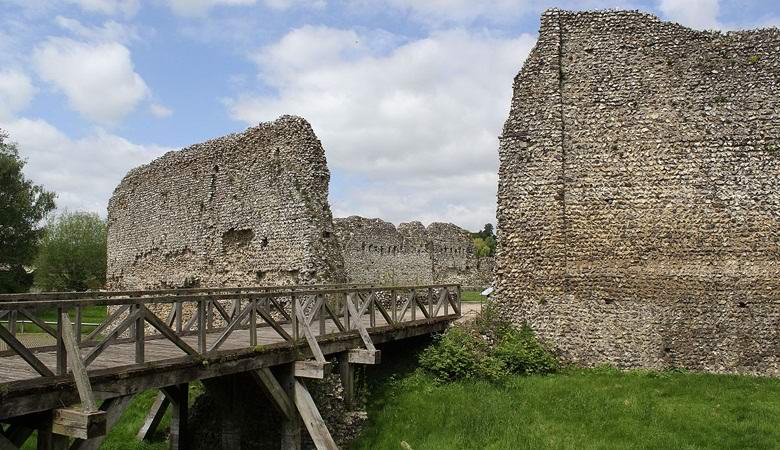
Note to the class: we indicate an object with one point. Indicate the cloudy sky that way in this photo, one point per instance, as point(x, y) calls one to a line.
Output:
point(407, 96)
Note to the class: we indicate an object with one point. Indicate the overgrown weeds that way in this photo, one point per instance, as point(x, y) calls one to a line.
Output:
point(488, 348)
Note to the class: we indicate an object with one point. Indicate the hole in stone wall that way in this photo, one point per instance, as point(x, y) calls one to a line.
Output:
point(264, 242)
point(260, 275)
point(237, 238)
point(742, 305)
point(609, 301)
point(326, 234)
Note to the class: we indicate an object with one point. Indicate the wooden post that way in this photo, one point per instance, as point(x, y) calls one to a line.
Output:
point(253, 323)
point(50, 441)
point(139, 336)
point(322, 314)
point(12, 322)
point(78, 324)
point(430, 301)
point(114, 407)
point(179, 398)
point(291, 427)
point(294, 318)
point(347, 373)
point(231, 431)
point(347, 299)
point(413, 303)
point(458, 301)
point(394, 305)
point(62, 356)
point(210, 315)
point(446, 301)
point(179, 319)
point(202, 327)
point(371, 310)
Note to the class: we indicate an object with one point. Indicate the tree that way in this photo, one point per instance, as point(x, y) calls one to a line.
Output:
point(72, 256)
point(485, 241)
point(23, 206)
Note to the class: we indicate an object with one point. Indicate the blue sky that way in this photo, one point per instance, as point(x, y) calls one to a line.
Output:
point(407, 96)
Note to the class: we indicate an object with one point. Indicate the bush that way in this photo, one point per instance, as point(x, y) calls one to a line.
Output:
point(489, 348)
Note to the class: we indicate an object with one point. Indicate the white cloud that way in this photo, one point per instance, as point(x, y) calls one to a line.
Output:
point(110, 31)
point(435, 11)
point(109, 7)
point(98, 79)
point(16, 91)
point(700, 14)
point(416, 125)
point(287, 4)
point(159, 110)
point(83, 172)
point(199, 8)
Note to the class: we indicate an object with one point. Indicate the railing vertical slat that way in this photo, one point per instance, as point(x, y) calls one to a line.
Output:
point(394, 306)
point(252, 322)
point(78, 324)
point(139, 336)
point(372, 309)
point(12, 322)
point(322, 314)
point(430, 302)
point(202, 326)
point(447, 301)
point(294, 316)
point(413, 303)
point(62, 356)
point(178, 320)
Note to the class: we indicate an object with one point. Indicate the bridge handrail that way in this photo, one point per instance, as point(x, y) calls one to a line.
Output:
point(280, 309)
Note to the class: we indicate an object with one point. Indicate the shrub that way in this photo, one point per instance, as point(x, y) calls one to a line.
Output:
point(489, 348)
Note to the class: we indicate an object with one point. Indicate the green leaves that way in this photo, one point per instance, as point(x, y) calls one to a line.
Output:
point(23, 206)
point(488, 348)
point(72, 256)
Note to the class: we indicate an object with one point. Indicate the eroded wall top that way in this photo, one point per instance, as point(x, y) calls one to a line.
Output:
point(245, 209)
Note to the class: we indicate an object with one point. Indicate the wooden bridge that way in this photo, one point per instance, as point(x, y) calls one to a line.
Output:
point(73, 386)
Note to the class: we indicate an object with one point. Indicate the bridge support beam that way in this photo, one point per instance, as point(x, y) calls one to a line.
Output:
point(178, 395)
point(291, 426)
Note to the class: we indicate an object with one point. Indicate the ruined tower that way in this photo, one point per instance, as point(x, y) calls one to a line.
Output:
point(639, 193)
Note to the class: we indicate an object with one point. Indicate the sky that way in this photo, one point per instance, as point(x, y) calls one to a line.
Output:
point(407, 96)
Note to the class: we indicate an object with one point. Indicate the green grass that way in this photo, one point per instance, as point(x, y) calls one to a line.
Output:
point(471, 296)
point(583, 409)
point(89, 314)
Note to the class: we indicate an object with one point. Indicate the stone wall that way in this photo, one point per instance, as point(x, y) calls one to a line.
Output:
point(375, 251)
point(243, 210)
point(639, 194)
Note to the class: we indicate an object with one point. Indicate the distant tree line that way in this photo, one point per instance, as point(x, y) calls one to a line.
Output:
point(485, 241)
point(39, 249)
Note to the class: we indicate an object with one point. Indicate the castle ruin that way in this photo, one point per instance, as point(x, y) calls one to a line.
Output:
point(639, 194)
point(246, 209)
point(375, 251)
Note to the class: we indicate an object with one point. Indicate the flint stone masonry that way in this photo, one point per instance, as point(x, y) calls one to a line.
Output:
point(246, 209)
point(639, 194)
point(375, 251)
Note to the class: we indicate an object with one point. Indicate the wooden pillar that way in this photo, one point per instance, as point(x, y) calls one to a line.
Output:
point(50, 441)
point(291, 427)
point(231, 430)
point(179, 398)
point(347, 372)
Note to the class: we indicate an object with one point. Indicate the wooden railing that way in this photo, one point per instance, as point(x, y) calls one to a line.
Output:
point(293, 313)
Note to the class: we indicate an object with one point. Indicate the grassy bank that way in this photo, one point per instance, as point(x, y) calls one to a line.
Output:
point(582, 409)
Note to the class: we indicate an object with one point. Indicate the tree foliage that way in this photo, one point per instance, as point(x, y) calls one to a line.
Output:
point(72, 256)
point(485, 241)
point(23, 206)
